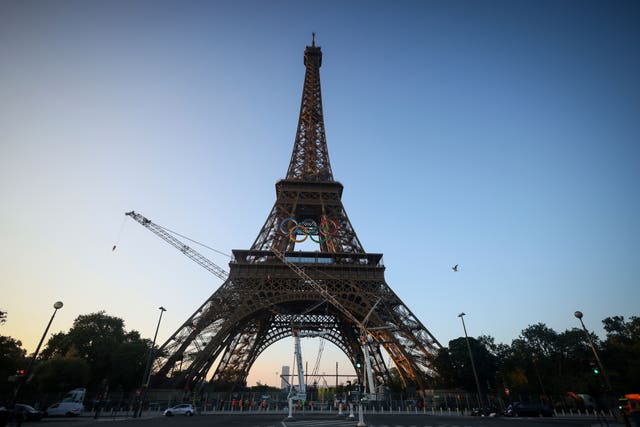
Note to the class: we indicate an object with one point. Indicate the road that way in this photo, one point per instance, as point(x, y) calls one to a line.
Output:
point(280, 420)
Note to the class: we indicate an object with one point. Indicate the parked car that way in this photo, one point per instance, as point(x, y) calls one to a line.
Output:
point(528, 409)
point(64, 409)
point(488, 411)
point(4, 415)
point(26, 413)
point(182, 409)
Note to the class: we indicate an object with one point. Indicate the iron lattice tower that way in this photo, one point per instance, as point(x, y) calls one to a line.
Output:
point(263, 298)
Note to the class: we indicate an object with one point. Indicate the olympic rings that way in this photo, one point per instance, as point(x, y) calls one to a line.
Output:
point(309, 228)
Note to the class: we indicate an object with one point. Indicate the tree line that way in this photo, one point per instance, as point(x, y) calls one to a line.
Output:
point(542, 362)
point(98, 351)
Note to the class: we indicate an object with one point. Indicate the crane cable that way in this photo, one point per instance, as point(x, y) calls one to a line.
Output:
point(181, 235)
point(194, 241)
point(124, 220)
point(314, 373)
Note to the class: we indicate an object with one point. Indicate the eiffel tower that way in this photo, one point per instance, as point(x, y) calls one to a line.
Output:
point(273, 289)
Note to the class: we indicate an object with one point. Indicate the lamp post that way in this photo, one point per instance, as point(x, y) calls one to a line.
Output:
point(579, 315)
point(57, 306)
point(147, 370)
point(473, 365)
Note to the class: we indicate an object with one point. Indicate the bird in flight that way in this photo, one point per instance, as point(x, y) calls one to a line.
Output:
point(455, 268)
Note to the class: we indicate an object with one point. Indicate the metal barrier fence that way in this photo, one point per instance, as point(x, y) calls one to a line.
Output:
point(119, 403)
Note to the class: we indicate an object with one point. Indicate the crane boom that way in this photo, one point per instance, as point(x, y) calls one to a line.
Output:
point(189, 252)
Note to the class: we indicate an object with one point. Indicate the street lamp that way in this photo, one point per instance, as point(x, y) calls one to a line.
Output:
point(579, 315)
point(56, 306)
point(147, 371)
point(473, 365)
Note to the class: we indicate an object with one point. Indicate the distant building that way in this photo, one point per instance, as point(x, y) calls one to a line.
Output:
point(285, 374)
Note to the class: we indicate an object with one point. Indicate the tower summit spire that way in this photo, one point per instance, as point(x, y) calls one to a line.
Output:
point(310, 157)
point(309, 193)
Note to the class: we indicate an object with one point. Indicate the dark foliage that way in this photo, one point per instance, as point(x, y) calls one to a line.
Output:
point(542, 362)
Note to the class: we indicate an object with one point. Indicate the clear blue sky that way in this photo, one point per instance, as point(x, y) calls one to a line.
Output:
point(500, 136)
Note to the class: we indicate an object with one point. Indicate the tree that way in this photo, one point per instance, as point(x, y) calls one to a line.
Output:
point(444, 367)
point(128, 362)
point(58, 345)
point(618, 329)
point(489, 343)
point(461, 369)
point(12, 358)
point(572, 365)
point(621, 352)
point(538, 349)
point(541, 340)
point(62, 374)
point(112, 353)
point(542, 361)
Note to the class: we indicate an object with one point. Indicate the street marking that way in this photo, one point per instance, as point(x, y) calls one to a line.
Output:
point(318, 423)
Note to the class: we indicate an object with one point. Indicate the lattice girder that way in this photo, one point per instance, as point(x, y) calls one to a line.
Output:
point(263, 290)
point(281, 327)
point(310, 157)
point(340, 332)
point(309, 201)
point(244, 316)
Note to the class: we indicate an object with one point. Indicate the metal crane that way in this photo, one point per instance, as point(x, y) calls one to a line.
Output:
point(189, 252)
point(299, 394)
point(302, 387)
point(209, 265)
point(168, 237)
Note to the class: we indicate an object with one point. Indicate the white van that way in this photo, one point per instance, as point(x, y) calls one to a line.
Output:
point(64, 409)
point(70, 406)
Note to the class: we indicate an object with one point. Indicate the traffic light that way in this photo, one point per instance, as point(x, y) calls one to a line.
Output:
point(596, 371)
point(20, 372)
point(358, 362)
